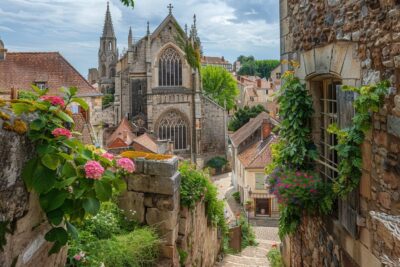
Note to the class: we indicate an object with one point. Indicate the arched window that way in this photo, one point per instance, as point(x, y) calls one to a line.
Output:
point(112, 73)
point(109, 46)
point(174, 128)
point(170, 68)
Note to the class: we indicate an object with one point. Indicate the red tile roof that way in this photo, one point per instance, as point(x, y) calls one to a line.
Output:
point(124, 132)
point(21, 70)
point(258, 155)
point(147, 142)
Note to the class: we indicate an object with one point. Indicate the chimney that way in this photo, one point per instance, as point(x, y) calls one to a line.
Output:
point(266, 129)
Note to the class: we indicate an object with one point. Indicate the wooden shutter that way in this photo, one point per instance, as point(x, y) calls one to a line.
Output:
point(260, 181)
point(349, 205)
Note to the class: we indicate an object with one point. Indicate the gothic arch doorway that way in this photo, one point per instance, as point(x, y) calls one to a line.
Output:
point(173, 126)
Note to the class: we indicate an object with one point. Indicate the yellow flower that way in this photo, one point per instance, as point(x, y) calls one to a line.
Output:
point(294, 63)
point(20, 126)
point(149, 156)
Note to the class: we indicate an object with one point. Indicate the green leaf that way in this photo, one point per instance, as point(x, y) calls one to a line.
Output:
point(55, 217)
point(64, 116)
point(37, 124)
point(68, 170)
point(27, 172)
point(51, 161)
point(19, 108)
point(58, 235)
point(120, 185)
point(52, 200)
point(81, 102)
point(103, 190)
point(91, 205)
point(72, 230)
point(66, 156)
point(55, 248)
point(64, 183)
point(43, 179)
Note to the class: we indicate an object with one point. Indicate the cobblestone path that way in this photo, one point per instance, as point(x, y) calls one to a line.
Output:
point(266, 236)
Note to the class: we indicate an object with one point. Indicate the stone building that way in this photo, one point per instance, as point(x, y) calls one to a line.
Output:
point(216, 61)
point(157, 89)
point(108, 56)
point(50, 70)
point(251, 152)
point(354, 43)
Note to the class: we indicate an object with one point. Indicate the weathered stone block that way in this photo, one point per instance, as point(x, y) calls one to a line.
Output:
point(154, 184)
point(165, 168)
point(170, 237)
point(163, 220)
point(132, 203)
point(393, 125)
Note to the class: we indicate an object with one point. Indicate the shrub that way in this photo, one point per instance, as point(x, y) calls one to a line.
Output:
point(135, 249)
point(217, 163)
point(243, 116)
point(27, 95)
point(275, 258)
point(248, 235)
point(236, 196)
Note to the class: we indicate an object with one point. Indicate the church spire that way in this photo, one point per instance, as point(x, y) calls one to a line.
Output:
point(130, 38)
point(108, 30)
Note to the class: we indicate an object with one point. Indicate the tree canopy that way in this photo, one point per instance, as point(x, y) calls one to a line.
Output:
point(220, 85)
point(128, 3)
point(253, 67)
point(243, 116)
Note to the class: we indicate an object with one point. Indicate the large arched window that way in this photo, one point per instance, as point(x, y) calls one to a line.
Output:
point(170, 68)
point(103, 70)
point(174, 128)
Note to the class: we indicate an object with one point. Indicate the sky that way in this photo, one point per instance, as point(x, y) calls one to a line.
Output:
point(226, 28)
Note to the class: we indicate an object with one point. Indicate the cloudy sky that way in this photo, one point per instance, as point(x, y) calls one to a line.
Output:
point(226, 27)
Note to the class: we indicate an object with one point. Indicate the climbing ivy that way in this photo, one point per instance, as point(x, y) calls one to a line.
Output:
point(369, 99)
point(71, 179)
point(192, 49)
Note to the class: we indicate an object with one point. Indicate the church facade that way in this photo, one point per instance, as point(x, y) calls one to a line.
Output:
point(159, 91)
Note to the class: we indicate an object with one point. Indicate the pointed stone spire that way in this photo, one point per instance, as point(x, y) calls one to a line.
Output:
point(108, 30)
point(148, 28)
point(130, 38)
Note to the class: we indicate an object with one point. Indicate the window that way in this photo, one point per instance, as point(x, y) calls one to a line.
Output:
point(103, 70)
point(109, 46)
point(278, 75)
point(174, 128)
point(41, 85)
point(329, 114)
point(260, 181)
point(170, 68)
point(74, 108)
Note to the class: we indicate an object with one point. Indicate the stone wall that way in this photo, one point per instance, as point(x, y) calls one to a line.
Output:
point(153, 195)
point(20, 211)
point(197, 238)
point(358, 43)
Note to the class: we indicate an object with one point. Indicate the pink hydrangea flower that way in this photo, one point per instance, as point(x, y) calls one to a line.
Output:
point(54, 100)
point(93, 170)
point(108, 156)
point(61, 132)
point(79, 256)
point(126, 164)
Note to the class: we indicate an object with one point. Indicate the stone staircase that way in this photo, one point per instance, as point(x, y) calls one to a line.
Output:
point(250, 257)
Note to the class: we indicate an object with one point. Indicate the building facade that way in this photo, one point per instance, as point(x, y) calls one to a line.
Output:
point(158, 90)
point(349, 43)
point(251, 152)
point(216, 61)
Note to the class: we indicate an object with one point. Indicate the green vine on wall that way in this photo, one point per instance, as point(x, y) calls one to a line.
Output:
point(71, 179)
point(369, 99)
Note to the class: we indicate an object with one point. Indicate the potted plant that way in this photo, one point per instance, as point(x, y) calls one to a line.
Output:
point(248, 205)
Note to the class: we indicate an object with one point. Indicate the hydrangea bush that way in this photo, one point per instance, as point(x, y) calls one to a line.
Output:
point(71, 179)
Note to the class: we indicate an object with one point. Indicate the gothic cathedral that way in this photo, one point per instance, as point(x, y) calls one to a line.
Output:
point(158, 90)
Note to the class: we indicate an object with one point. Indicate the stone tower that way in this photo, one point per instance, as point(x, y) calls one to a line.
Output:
point(108, 55)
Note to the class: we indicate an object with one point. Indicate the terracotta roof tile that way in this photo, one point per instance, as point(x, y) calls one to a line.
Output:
point(259, 154)
point(21, 70)
point(147, 141)
point(124, 131)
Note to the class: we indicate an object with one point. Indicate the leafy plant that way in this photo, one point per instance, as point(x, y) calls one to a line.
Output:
point(220, 85)
point(370, 98)
point(243, 116)
point(251, 66)
point(275, 258)
point(70, 179)
point(27, 95)
point(182, 256)
point(248, 235)
point(217, 163)
point(236, 196)
point(297, 193)
point(128, 3)
point(195, 185)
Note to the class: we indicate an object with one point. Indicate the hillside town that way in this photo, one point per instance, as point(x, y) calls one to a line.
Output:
point(165, 151)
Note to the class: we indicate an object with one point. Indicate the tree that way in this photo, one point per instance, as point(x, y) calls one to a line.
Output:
point(253, 67)
point(128, 3)
point(243, 116)
point(220, 85)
